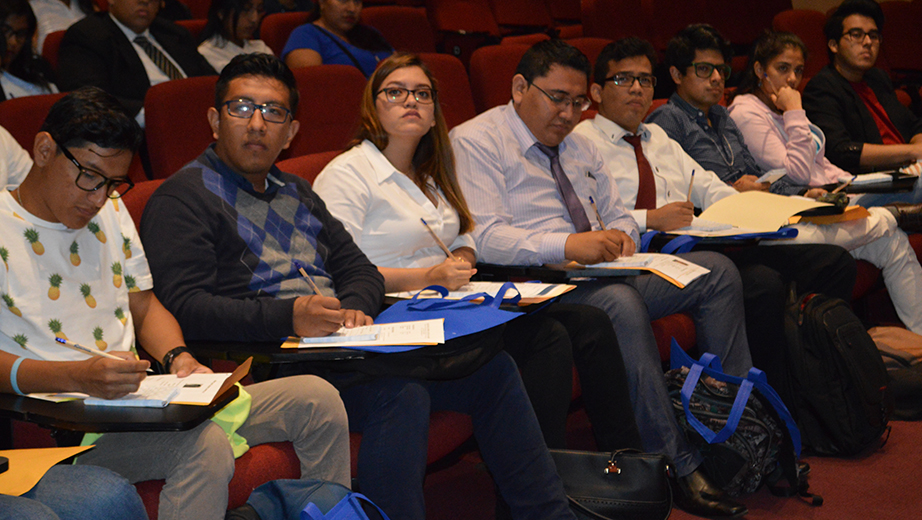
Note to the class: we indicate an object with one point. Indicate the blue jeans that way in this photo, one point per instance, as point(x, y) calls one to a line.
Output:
point(393, 416)
point(715, 302)
point(76, 493)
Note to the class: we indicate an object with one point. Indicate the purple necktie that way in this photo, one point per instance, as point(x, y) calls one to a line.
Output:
point(574, 207)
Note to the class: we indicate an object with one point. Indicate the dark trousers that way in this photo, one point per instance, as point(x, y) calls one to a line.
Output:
point(546, 344)
point(766, 272)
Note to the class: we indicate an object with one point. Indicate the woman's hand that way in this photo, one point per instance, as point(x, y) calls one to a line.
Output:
point(452, 274)
point(787, 98)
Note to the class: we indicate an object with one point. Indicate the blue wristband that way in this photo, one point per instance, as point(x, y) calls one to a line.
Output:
point(13, 371)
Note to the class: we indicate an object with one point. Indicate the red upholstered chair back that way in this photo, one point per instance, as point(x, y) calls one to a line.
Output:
point(176, 124)
point(667, 18)
point(521, 15)
point(492, 69)
point(136, 199)
point(589, 46)
point(329, 108)
point(198, 8)
point(567, 11)
point(454, 87)
point(23, 117)
point(470, 16)
point(743, 23)
point(901, 35)
point(808, 25)
point(614, 19)
point(50, 48)
point(195, 26)
point(308, 166)
point(276, 28)
point(405, 28)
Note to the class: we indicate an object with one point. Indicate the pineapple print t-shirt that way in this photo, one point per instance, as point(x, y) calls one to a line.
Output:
point(68, 283)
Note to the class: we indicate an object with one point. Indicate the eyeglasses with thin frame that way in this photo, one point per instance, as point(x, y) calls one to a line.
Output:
point(244, 109)
point(705, 70)
point(857, 35)
point(580, 103)
point(423, 95)
point(623, 79)
point(89, 180)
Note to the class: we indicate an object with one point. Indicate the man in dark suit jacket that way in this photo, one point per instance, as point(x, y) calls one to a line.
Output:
point(97, 51)
point(854, 103)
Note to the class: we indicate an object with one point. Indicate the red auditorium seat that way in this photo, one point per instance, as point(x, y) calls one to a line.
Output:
point(808, 25)
point(591, 47)
point(743, 23)
point(405, 28)
point(521, 16)
point(454, 88)
point(462, 26)
point(614, 19)
point(492, 69)
point(308, 166)
point(524, 39)
point(198, 8)
point(667, 18)
point(329, 108)
point(176, 126)
point(276, 28)
point(901, 34)
point(195, 27)
point(50, 48)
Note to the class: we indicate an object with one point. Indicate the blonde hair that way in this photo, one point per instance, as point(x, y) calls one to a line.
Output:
point(433, 158)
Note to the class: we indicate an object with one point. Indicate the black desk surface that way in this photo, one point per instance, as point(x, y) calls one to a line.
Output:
point(75, 416)
point(269, 352)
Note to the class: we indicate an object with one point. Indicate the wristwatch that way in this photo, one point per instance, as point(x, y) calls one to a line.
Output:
point(171, 355)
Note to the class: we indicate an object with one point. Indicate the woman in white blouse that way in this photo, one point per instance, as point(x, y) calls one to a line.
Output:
point(23, 72)
point(230, 30)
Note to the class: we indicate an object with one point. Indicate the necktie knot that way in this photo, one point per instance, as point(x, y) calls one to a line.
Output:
point(634, 140)
point(551, 151)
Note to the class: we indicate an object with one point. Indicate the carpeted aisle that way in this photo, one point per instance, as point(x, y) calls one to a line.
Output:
point(883, 484)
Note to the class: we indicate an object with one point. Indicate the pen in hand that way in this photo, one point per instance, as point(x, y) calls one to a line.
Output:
point(90, 351)
point(598, 216)
point(690, 184)
point(438, 240)
point(307, 277)
point(844, 185)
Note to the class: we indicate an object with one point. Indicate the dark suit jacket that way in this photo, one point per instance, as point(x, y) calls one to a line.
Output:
point(94, 51)
point(834, 106)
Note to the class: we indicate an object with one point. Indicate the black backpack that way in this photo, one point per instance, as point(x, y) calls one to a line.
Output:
point(839, 387)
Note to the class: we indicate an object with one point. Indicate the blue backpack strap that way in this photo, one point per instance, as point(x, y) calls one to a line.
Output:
point(349, 508)
point(760, 381)
point(680, 244)
point(736, 412)
point(645, 240)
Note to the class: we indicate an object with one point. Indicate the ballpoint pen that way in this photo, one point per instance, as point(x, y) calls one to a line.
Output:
point(437, 239)
point(844, 185)
point(91, 351)
point(597, 215)
point(307, 277)
point(690, 184)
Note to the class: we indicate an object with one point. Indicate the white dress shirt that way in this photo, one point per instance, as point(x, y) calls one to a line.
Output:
point(15, 162)
point(671, 166)
point(521, 217)
point(54, 15)
point(381, 207)
point(219, 51)
point(15, 87)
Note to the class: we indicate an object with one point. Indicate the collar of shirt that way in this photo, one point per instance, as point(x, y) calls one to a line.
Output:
point(714, 113)
point(131, 35)
point(383, 169)
point(616, 132)
point(273, 183)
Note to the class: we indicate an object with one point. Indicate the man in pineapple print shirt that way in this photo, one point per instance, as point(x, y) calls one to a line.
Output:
point(74, 269)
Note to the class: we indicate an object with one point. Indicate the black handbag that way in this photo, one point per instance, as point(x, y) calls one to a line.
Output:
point(623, 485)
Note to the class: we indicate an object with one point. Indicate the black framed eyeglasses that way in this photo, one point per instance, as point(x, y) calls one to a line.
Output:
point(244, 109)
point(89, 180)
point(423, 95)
point(581, 103)
point(705, 70)
point(857, 35)
point(624, 79)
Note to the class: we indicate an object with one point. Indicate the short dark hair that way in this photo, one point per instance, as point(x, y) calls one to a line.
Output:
point(620, 50)
point(680, 52)
point(90, 115)
point(833, 28)
point(538, 60)
point(257, 64)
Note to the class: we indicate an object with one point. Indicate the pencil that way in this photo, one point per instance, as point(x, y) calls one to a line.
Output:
point(437, 239)
point(307, 277)
point(88, 350)
point(845, 185)
point(690, 184)
point(597, 215)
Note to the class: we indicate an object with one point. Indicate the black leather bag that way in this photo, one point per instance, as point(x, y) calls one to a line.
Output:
point(623, 485)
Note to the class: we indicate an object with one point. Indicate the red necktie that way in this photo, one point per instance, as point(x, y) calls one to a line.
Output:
point(646, 185)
